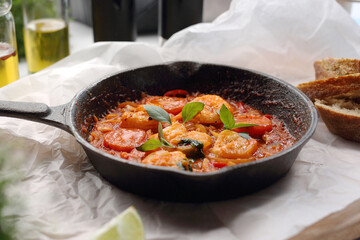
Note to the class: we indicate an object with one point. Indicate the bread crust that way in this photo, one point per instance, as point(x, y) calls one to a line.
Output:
point(336, 93)
point(335, 67)
point(339, 123)
point(320, 89)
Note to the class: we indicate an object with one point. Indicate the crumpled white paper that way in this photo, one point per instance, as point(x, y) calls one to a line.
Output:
point(65, 198)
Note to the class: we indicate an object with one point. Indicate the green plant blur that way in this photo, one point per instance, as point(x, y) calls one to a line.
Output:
point(6, 225)
point(19, 23)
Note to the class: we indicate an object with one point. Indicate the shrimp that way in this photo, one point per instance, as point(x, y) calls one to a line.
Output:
point(191, 126)
point(174, 133)
point(177, 131)
point(209, 114)
point(204, 138)
point(231, 145)
point(165, 158)
point(138, 118)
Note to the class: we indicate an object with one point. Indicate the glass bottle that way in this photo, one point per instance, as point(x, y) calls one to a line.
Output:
point(175, 15)
point(114, 20)
point(9, 63)
point(46, 32)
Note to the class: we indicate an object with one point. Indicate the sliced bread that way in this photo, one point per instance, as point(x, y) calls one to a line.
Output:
point(336, 93)
point(341, 114)
point(335, 67)
point(320, 89)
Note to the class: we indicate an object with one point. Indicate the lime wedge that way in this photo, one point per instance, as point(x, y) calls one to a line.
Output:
point(126, 226)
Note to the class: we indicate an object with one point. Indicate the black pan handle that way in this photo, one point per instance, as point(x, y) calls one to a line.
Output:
point(37, 112)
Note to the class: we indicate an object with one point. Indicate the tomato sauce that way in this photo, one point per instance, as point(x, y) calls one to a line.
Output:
point(201, 144)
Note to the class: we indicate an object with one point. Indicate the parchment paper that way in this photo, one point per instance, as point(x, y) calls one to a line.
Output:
point(63, 197)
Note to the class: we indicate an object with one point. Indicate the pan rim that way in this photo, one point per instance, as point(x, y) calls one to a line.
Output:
point(298, 144)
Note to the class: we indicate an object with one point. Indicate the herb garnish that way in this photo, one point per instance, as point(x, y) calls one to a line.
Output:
point(245, 135)
point(197, 151)
point(153, 143)
point(150, 145)
point(190, 110)
point(229, 122)
point(228, 119)
point(157, 113)
point(162, 137)
point(181, 165)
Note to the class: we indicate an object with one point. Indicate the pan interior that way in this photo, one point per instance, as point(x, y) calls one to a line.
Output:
point(266, 93)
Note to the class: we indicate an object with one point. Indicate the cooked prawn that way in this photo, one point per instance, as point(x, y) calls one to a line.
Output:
point(191, 126)
point(164, 158)
point(209, 114)
point(177, 131)
point(231, 145)
point(138, 118)
point(204, 138)
point(174, 133)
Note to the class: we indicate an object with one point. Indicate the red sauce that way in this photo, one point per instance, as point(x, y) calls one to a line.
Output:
point(129, 126)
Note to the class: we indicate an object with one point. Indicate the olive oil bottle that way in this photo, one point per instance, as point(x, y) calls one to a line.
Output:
point(46, 42)
point(9, 64)
point(46, 32)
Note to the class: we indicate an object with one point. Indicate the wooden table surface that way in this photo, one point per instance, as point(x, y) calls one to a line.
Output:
point(341, 225)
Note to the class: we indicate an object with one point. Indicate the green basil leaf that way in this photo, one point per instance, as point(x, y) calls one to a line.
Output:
point(191, 160)
point(196, 145)
point(157, 113)
point(162, 137)
point(238, 125)
point(190, 110)
point(180, 165)
point(245, 135)
point(166, 144)
point(226, 117)
point(160, 132)
point(150, 145)
point(190, 167)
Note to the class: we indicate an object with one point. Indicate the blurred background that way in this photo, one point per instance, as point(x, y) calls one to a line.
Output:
point(147, 21)
point(352, 7)
point(146, 18)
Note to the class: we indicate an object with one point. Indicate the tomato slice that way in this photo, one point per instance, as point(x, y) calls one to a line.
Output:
point(124, 139)
point(219, 164)
point(172, 105)
point(241, 107)
point(176, 93)
point(263, 122)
